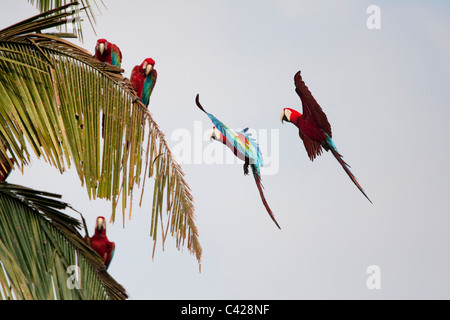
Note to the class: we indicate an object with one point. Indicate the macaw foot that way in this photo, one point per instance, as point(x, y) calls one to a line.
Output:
point(246, 169)
point(135, 99)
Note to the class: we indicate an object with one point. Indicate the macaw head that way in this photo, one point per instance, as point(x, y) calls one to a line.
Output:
point(289, 115)
point(216, 135)
point(147, 65)
point(102, 46)
point(100, 224)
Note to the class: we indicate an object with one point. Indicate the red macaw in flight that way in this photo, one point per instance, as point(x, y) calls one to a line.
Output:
point(100, 243)
point(143, 78)
point(244, 147)
point(314, 128)
point(108, 52)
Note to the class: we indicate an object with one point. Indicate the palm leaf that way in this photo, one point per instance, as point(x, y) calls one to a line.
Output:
point(38, 243)
point(53, 95)
point(48, 5)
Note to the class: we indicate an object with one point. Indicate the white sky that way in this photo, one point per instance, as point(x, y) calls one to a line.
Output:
point(386, 96)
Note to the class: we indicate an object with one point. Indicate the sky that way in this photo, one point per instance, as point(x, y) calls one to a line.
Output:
point(385, 93)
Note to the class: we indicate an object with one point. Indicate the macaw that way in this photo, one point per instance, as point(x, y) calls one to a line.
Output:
point(244, 147)
point(100, 243)
point(314, 128)
point(108, 52)
point(143, 78)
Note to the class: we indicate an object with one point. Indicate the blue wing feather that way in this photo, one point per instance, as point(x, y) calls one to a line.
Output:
point(149, 84)
point(115, 59)
point(252, 151)
point(246, 146)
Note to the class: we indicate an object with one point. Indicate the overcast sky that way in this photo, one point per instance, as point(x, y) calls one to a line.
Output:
point(385, 92)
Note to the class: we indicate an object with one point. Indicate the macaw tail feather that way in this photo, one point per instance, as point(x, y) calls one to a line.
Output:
point(261, 193)
point(332, 147)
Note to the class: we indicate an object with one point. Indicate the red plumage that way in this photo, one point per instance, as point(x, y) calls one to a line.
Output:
point(100, 243)
point(104, 51)
point(263, 198)
point(139, 76)
point(314, 128)
point(137, 79)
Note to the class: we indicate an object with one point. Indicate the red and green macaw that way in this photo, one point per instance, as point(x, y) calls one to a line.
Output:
point(143, 78)
point(108, 52)
point(314, 128)
point(244, 147)
point(100, 243)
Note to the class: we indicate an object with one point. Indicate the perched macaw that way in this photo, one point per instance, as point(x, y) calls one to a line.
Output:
point(100, 243)
point(143, 78)
point(108, 52)
point(314, 128)
point(244, 147)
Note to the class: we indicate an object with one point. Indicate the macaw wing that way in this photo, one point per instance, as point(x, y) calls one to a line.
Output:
point(241, 142)
point(217, 123)
point(310, 105)
point(313, 148)
point(116, 56)
point(251, 147)
point(149, 84)
point(233, 140)
point(110, 254)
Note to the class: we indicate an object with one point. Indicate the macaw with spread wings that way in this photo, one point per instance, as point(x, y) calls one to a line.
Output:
point(314, 128)
point(244, 147)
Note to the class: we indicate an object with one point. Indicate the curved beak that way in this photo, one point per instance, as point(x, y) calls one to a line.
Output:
point(101, 48)
point(148, 69)
point(212, 135)
point(100, 224)
point(283, 117)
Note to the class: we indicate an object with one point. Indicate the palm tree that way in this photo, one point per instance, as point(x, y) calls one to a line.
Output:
point(52, 98)
point(39, 245)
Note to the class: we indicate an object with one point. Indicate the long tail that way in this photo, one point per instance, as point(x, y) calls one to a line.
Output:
point(197, 101)
point(332, 147)
point(261, 193)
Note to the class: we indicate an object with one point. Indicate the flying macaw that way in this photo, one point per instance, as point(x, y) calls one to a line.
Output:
point(314, 128)
point(100, 243)
point(108, 52)
point(143, 78)
point(244, 147)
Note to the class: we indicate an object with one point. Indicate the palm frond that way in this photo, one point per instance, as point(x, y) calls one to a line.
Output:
point(74, 23)
point(53, 95)
point(38, 245)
